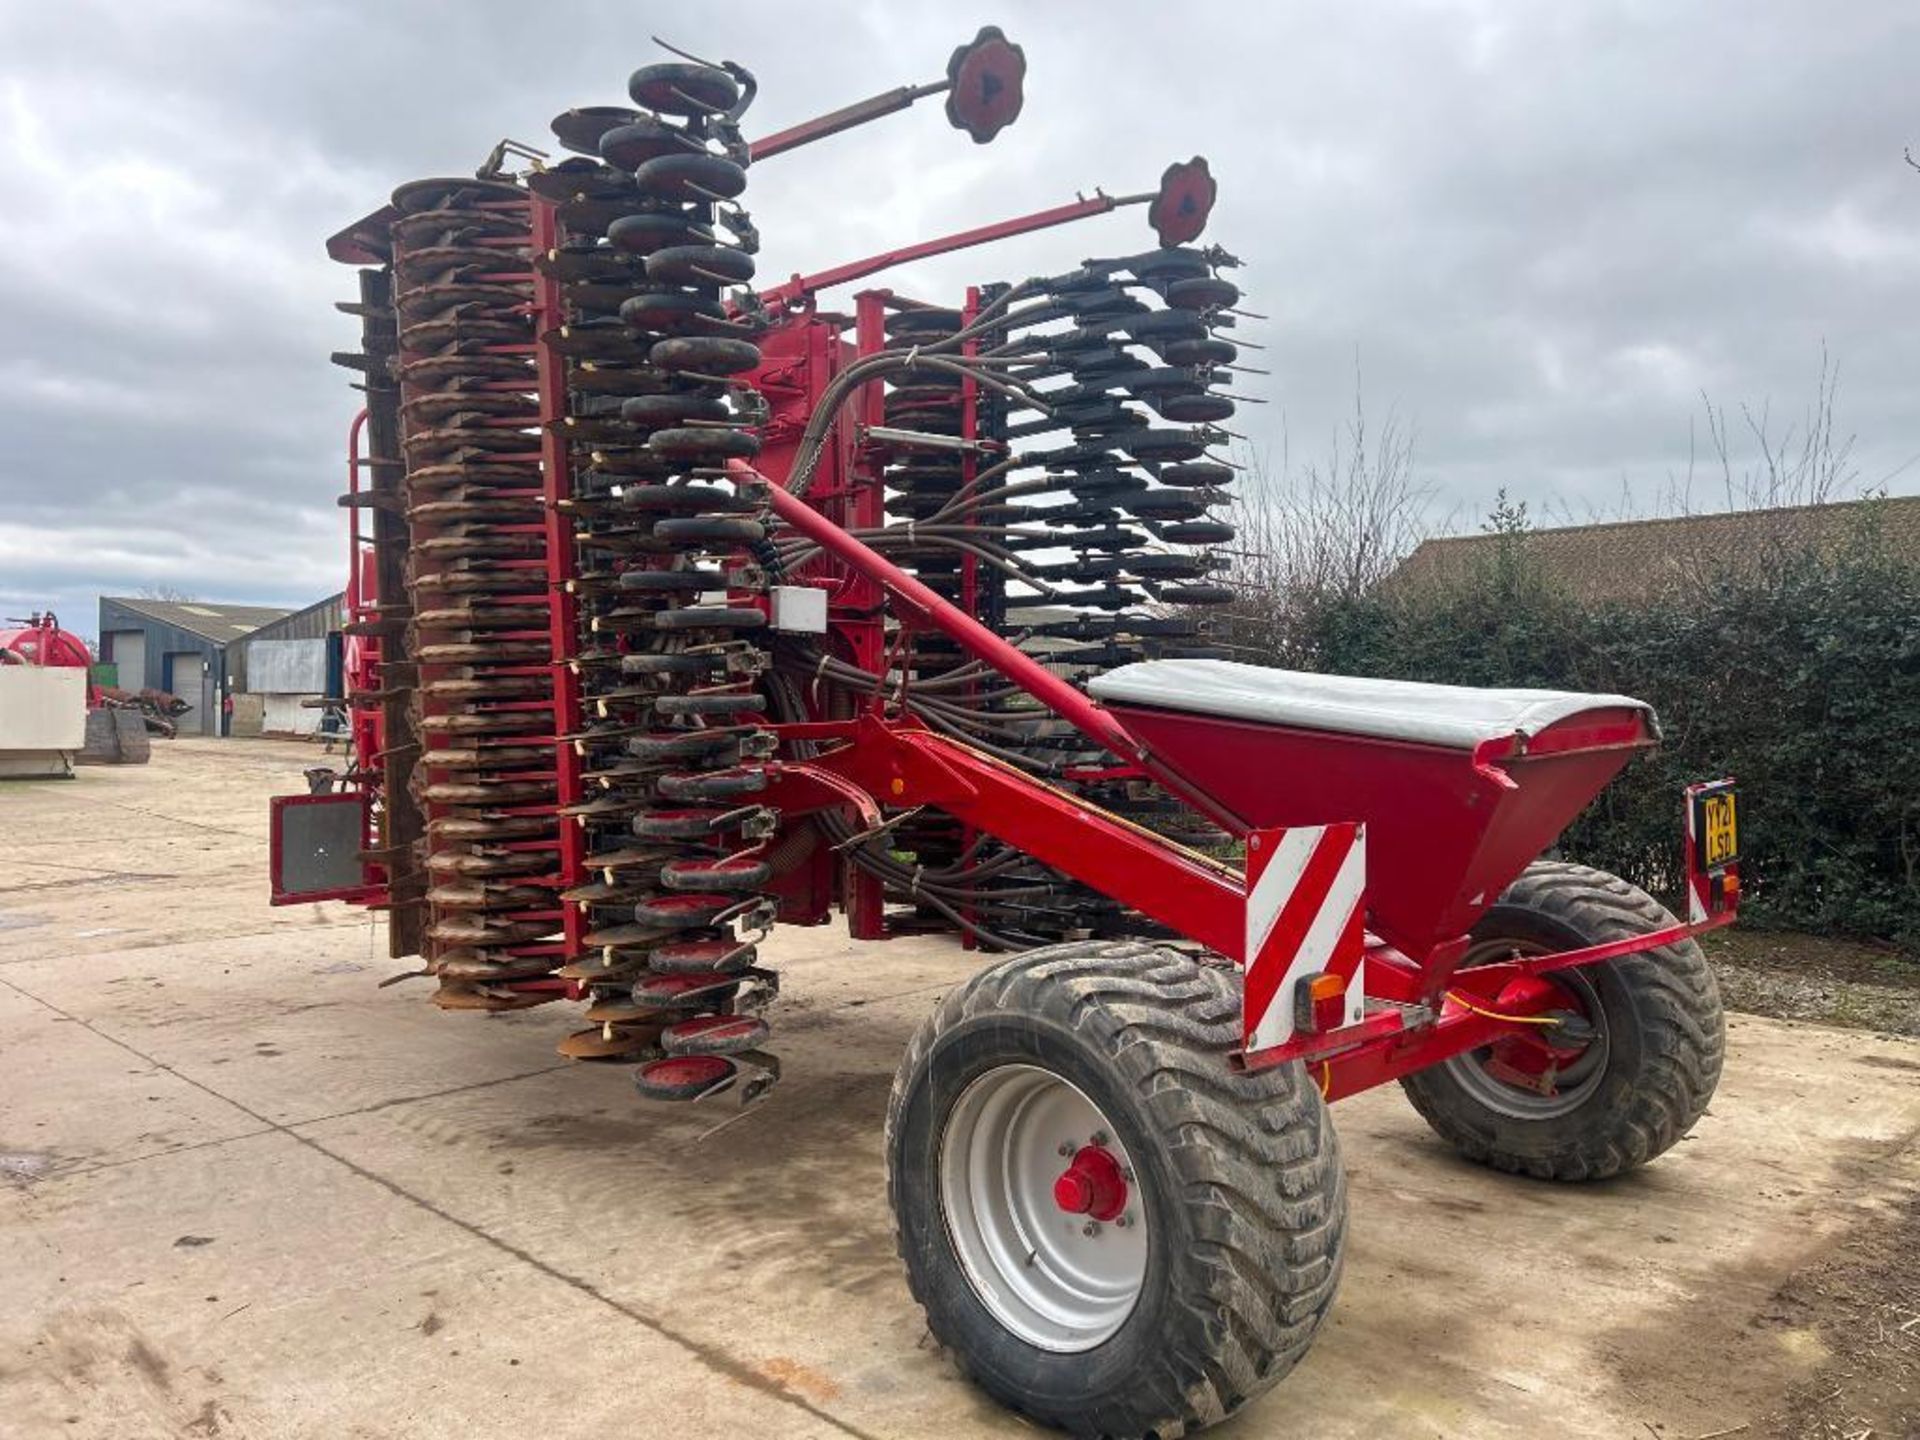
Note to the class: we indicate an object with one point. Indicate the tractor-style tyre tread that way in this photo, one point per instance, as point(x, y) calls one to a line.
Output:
point(1658, 1086)
point(1256, 1250)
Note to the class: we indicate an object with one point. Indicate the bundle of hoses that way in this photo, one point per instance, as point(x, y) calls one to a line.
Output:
point(651, 238)
point(1090, 554)
point(1128, 356)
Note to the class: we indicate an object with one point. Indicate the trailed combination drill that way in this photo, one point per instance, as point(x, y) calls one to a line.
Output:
point(684, 605)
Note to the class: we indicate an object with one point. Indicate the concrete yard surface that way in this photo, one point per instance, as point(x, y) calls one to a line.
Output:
point(246, 1193)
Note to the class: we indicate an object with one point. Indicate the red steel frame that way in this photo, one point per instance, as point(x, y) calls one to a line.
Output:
point(371, 891)
point(556, 476)
point(846, 118)
point(1425, 1008)
point(1422, 1008)
point(801, 287)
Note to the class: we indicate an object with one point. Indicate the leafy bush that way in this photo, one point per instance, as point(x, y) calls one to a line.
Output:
point(1798, 673)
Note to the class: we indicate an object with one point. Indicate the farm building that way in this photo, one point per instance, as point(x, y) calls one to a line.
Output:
point(283, 666)
point(180, 646)
point(1648, 557)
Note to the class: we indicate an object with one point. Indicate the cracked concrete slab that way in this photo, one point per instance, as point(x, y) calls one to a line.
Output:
point(258, 1196)
point(261, 1289)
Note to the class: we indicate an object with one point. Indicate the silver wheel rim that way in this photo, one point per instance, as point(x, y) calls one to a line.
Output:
point(1582, 1075)
point(1060, 1281)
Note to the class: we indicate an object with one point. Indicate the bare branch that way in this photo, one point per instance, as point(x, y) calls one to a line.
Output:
point(1322, 533)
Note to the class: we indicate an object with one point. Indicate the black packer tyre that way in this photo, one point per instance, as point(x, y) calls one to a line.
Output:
point(1661, 1037)
point(1236, 1199)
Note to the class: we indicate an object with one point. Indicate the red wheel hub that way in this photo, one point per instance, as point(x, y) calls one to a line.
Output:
point(1534, 1057)
point(1094, 1184)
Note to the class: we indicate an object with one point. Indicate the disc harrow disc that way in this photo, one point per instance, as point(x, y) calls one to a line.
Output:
point(689, 178)
point(713, 1035)
point(697, 957)
point(685, 989)
point(612, 1042)
point(676, 88)
point(685, 1077)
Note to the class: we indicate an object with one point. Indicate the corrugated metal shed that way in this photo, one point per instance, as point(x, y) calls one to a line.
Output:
point(315, 622)
point(221, 624)
point(180, 646)
point(286, 664)
point(286, 667)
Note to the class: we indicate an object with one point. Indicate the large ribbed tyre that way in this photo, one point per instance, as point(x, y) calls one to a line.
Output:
point(1226, 1199)
point(1642, 1080)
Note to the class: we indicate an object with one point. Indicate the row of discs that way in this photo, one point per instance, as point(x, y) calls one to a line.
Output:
point(477, 605)
point(921, 481)
point(1109, 501)
point(1128, 354)
point(669, 644)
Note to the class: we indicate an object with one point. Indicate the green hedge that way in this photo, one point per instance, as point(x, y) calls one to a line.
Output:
point(1799, 675)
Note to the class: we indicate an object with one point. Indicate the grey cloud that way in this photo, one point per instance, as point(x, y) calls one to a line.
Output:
point(1540, 229)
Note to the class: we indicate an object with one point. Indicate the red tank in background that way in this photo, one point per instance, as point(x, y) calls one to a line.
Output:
point(39, 640)
point(43, 705)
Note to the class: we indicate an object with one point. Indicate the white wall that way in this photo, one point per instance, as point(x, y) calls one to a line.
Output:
point(43, 707)
point(285, 715)
point(287, 667)
point(282, 673)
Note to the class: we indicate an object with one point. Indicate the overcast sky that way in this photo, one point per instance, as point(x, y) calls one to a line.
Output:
point(1542, 229)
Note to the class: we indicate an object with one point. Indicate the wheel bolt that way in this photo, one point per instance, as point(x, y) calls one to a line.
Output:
point(1090, 1229)
point(1099, 1137)
point(1066, 1147)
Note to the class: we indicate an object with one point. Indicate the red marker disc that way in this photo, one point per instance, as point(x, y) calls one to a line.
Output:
point(987, 78)
point(1179, 212)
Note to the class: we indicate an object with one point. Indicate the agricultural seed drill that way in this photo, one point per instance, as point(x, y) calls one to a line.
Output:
point(682, 608)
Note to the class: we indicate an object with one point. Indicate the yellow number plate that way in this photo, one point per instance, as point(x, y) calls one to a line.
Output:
point(1719, 829)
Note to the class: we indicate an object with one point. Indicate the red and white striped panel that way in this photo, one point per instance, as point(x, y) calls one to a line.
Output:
point(1305, 915)
point(1698, 908)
